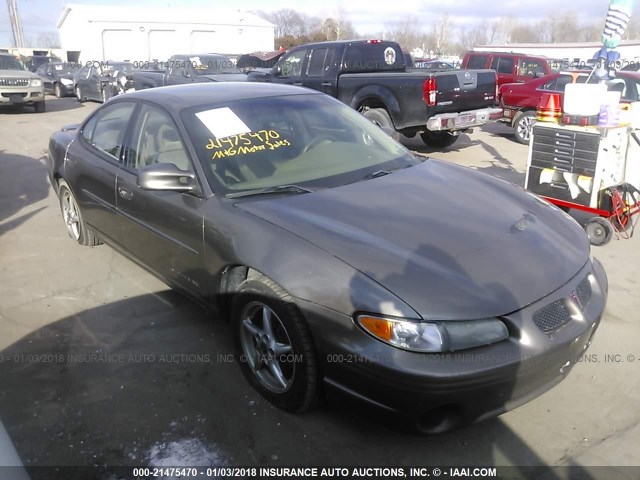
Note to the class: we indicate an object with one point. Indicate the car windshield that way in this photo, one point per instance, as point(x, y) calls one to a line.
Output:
point(121, 67)
point(304, 140)
point(213, 65)
point(7, 62)
point(66, 68)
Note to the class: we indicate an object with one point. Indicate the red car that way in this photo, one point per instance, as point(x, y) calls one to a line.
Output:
point(520, 100)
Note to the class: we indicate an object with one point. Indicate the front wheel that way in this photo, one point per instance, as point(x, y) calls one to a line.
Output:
point(277, 355)
point(40, 107)
point(438, 139)
point(58, 91)
point(105, 95)
point(76, 228)
point(79, 96)
point(523, 126)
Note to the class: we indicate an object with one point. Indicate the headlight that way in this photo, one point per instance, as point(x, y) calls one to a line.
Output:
point(36, 82)
point(434, 337)
point(66, 81)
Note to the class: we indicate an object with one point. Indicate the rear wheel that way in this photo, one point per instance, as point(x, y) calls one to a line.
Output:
point(523, 126)
point(379, 116)
point(277, 355)
point(72, 217)
point(438, 139)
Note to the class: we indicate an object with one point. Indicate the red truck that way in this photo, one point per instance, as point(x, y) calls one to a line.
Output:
point(512, 67)
point(520, 100)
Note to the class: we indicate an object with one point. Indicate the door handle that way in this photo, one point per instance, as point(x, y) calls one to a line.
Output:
point(326, 84)
point(297, 84)
point(125, 193)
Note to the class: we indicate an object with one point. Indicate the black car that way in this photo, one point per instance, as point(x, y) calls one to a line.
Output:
point(102, 80)
point(36, 61)
point(58, 77)
point(343, 260)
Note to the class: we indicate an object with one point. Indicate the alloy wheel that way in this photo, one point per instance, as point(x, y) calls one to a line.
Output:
point(70, 215)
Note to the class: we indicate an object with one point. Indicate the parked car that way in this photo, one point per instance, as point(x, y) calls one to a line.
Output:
point(520, 100)
point(34, 62)
point(101, 81)
point(330, 248)
point(371, 76)
point(19, 86)
point(258, 60)
point(58, 77)
point(512, 67)
point(185, 69)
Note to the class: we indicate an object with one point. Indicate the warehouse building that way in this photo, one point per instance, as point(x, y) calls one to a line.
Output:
point(140, 34)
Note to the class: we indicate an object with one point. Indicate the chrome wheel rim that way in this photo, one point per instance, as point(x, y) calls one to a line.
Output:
point(78, 93)
point(70, 215)
point(267, 347)
point(524, 127)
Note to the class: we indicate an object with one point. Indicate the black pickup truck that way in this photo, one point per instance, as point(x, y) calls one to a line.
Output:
point(372, 77)
point(182, 69)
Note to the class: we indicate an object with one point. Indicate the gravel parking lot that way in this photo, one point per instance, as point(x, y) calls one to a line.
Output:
point(100, 363)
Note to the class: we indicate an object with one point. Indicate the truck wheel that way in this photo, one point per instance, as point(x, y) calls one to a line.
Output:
point(378, 116)
point(438, 139)
point(57, 90)
point(600, 231)
point(39, 107)
point(523, 126)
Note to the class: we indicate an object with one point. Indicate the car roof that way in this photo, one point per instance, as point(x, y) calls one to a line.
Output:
point(179, 97)
point(512, 54)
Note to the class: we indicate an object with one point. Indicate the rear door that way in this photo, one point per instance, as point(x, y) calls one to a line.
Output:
point(93, 162)
point(319, 73)
point(163, 229)
point(505, 67)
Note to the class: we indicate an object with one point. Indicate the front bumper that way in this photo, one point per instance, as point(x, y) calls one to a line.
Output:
point(21, 95)
point(463, 120)
point(441, 391)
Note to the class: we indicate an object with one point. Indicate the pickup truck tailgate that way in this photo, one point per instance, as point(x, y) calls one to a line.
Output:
point(472, 89)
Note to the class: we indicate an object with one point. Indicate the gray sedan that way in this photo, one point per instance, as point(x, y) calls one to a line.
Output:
point(343, 260)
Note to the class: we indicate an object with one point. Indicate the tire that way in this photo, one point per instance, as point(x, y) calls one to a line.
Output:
point(599, 231)
point(296, 388)
point(40, 107)
point(57, 90)
point(523, 126)
point(379, 116)
point(438, 139)
point(79, 96)
point(71, 215)
point(103, 95)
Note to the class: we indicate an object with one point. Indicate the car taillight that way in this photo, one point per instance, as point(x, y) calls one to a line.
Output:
point(429, 90)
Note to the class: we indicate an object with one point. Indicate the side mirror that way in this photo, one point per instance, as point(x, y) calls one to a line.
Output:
point(166, 176)
point(276, 71)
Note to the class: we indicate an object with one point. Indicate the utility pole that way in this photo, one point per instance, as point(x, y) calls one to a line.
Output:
point(16, 26)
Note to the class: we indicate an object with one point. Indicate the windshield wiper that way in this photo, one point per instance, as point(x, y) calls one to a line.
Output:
point(376, 174)
point(264, 191)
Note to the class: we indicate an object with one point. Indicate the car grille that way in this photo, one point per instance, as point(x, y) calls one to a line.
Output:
point(552, 316)
point(557, 314)
point(14, 82)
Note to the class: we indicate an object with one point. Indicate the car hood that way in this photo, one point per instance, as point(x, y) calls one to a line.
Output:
point(224, 77)
point(451, 242)
point(18, 74)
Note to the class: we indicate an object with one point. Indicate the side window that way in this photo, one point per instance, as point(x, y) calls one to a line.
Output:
point(110, 128)
point(87, 131)
point(504, 65)
point(292, 65)
point(530, 68)
point(156, 139)
point(477, 61)
point(318, 62)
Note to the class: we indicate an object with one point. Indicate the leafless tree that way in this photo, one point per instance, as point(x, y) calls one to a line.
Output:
point(48, 40)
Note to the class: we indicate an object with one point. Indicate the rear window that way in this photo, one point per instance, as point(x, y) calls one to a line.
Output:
point(477, 61)
point(372, 57)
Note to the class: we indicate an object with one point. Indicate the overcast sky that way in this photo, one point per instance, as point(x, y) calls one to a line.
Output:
point(367, 16)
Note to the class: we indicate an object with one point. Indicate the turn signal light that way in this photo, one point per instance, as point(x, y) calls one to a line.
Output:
point(378, 327)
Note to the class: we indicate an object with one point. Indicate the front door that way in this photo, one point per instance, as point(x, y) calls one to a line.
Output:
point(163, 229)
